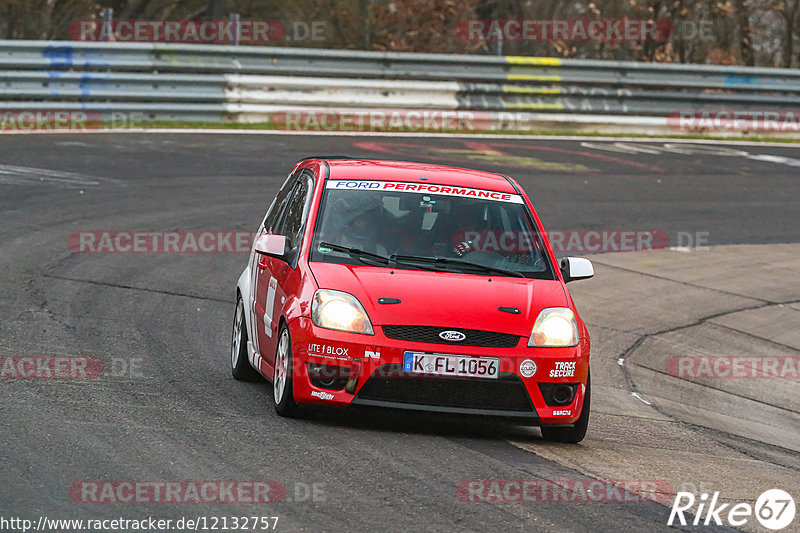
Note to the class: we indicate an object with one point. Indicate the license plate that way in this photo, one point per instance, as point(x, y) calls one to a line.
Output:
point(451, 365)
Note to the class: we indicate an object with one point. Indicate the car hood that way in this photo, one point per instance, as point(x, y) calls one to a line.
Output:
point(443, 299)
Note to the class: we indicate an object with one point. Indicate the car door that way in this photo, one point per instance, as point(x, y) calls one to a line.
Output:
point(262, 280)
point(281, 276)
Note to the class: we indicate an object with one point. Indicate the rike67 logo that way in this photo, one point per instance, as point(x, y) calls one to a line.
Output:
point(774, 509)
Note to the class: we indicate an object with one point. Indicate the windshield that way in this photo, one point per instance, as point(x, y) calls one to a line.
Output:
point(466, 229)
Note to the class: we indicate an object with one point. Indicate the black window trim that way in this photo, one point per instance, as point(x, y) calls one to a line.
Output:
point(310, 180)
point(288, 185)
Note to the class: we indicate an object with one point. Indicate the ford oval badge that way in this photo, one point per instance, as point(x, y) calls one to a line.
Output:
point(452, 336)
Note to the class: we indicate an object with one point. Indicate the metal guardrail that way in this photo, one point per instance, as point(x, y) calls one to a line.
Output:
point(234, 83)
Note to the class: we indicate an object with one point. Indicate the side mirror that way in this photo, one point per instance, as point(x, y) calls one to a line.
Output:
point(575, 268)
point(272, 245)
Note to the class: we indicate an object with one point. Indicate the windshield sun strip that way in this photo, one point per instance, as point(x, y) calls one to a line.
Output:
point(431, 188)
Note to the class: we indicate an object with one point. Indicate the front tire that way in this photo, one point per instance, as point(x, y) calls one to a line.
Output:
point(282, 382)
point(577, 432)
point(240, 364)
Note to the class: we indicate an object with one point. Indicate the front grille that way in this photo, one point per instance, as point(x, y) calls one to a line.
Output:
point(390, 384)
point(474, 337)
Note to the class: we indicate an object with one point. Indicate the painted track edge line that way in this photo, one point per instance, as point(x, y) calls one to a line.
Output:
point(406, 135)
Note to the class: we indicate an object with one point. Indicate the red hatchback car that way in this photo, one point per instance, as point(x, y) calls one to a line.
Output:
point(412, 286)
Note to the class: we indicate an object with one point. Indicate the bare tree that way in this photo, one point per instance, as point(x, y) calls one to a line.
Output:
point(749, 32)
point(745, 38)
point(790, 11)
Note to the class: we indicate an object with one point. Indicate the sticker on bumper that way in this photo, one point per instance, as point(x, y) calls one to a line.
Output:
point(527, 368)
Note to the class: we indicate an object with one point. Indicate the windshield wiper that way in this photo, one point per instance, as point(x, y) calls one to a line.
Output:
point(456, 262)
point(364, 257)
point(356, 253)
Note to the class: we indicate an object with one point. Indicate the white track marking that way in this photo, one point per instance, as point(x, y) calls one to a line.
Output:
point(409, 134)
point(17, 175)
point(792, 162)
point(640, 397)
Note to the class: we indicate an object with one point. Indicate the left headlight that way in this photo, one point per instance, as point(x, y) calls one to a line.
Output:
point(555, 326)
point(339, 310)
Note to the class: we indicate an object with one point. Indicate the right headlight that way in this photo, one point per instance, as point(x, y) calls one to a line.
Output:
point(339, 310)
point(555, 326)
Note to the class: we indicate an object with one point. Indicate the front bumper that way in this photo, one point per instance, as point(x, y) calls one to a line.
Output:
point(324, 362)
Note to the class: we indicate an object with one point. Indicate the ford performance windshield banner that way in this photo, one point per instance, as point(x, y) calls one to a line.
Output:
point(362, 185)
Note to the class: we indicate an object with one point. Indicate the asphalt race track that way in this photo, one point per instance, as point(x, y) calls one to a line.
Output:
point(166, 408)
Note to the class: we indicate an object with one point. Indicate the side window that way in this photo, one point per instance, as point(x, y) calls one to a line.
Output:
point(297, 211)
point(279, 206)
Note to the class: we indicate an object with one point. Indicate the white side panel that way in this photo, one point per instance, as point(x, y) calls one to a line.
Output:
point(246, 285)
point(270, 306)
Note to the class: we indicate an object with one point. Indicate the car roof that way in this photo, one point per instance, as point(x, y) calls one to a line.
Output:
point(379, 170)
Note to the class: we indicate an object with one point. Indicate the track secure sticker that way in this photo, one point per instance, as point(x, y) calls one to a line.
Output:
point(527, 368)
point(564, 369)
point(361, 185)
